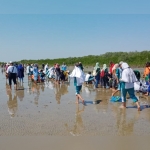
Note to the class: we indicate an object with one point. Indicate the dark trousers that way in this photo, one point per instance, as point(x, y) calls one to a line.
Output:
point(12, 76)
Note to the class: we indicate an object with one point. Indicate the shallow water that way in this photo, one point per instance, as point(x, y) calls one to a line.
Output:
point(49, 109)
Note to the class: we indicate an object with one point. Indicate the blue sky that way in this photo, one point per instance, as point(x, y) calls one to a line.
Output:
point(35, 30)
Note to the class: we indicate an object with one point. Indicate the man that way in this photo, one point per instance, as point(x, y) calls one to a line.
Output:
point(12, 75)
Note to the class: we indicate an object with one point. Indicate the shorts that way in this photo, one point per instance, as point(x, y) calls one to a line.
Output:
point(78, 89)
point(57, 77)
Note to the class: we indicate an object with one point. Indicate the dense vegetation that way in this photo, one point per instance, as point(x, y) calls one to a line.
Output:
point(137, 59)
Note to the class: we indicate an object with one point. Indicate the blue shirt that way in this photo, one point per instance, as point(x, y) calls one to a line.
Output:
point(63, 67)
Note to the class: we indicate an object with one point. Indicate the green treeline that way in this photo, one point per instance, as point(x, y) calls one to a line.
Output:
point(137, 59)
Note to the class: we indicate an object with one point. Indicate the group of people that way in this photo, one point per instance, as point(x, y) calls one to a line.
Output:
point(16, 71)
point(118, 77)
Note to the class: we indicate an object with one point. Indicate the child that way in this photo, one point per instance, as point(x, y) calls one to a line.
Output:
point(79, 78)
point(89, 78)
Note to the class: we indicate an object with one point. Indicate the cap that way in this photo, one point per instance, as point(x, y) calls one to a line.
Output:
point(10, 62)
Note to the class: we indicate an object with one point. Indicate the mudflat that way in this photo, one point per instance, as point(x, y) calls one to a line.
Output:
point(49, 110)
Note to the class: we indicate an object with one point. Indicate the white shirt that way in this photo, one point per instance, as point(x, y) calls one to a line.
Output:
point(87, 77)
point(12, 69)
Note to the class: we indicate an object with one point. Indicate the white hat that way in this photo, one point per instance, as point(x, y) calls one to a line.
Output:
point(10, 62)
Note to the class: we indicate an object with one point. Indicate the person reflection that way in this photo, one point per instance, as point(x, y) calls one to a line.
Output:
point(125, 126)
point(57, 93)
point(42, 87)
point(12, 103)
point(78, 126)
point(64, 89)
point(20, 92)
point(36, 92)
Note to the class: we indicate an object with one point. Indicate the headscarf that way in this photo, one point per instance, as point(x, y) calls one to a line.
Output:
point(97, 66)
point(128, 75)
point(79, 74)
point(20, 66)
point(104, 66)
point(115, 67)
point(121, 62)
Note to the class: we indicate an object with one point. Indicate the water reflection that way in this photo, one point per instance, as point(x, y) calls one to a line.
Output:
point(124, 122)
point(12, 103)
point(60, 90)
point(20, 91)
point(78, 125)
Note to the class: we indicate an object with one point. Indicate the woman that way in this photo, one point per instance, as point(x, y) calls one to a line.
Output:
point(118, 74)
point(114, 77)
point(20, 72)
point(35, 73)
point(57, 74)
point(111, 65)
point(96, 74)
point(147, 72)
point(104, 76)
point(79, 79)
point(127, 85)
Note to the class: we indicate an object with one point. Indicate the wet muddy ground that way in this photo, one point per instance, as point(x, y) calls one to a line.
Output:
point(49, 109)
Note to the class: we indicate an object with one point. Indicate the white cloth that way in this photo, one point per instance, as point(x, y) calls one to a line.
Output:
point(27, 70)
point(87, 77)
point(128, 75)
point(79, 74)
point(51, 72)
point(45, 68)
point(12, 69)
point(137, 86)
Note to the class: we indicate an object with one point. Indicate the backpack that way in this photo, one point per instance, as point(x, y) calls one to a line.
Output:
point(102, 74)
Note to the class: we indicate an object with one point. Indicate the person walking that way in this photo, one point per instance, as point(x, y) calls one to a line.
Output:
point(20, 72)
point(12, 74)
point(127, 85)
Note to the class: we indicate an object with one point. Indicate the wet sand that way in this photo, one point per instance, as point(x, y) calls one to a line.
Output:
point(49, 109)
point(46, 114)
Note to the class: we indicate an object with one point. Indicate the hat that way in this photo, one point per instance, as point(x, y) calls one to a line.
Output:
point(10, 62)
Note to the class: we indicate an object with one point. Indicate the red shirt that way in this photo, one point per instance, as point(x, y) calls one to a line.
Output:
point(111, 66)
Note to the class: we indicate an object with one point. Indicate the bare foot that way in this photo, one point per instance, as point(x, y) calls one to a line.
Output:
point(139, 108)
point(83, 102)
point(122, 107)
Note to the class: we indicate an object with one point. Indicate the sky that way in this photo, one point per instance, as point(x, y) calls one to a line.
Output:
point(70, 28)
